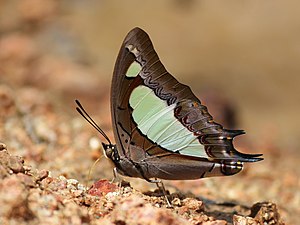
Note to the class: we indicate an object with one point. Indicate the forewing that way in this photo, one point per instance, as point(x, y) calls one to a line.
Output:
point(151, 106)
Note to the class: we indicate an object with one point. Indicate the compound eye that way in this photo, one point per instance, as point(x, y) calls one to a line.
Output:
point(109, 152)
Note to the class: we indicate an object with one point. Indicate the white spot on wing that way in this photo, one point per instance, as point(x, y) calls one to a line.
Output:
point(133, 50)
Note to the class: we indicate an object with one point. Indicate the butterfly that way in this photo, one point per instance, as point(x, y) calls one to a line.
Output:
point(161, 129)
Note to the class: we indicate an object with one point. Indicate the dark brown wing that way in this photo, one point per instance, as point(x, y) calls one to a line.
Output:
point(137, 53)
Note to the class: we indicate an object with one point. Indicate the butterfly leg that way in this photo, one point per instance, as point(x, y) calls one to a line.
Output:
point(160, 185)
point(116, 176)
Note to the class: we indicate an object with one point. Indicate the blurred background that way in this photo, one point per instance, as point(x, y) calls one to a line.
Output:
point(241, 58)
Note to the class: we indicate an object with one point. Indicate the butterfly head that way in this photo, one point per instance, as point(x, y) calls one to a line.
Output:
point(111, 152)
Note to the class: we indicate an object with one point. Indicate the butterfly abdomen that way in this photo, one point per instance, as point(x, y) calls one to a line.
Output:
point(231, 168)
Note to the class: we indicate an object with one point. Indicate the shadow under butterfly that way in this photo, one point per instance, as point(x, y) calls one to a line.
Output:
point(162, 130)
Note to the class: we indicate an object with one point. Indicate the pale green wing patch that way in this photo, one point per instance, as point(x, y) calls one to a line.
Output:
point(156, 120)
point(134, 69)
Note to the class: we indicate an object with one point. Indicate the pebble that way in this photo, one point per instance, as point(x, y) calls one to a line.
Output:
point(176, 202)
point(72, 181)
point(42, 174)
point(81, 187)
point(2, 147)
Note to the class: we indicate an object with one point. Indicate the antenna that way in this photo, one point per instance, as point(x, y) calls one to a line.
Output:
point(87, 117)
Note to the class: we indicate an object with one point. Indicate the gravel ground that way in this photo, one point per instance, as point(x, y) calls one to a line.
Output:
point(47, 150)
point(35, 197)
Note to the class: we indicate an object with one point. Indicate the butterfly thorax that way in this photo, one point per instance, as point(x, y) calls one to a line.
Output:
point(124, 165)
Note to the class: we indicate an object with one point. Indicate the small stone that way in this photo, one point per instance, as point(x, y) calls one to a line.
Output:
point(26, 179)
point(73, 182)
point(27, 168)
point(205, 218)
point(110, 195)
point(176, 202)
point(102, 187)
point(127, 190)
point(81, 187)
point(266, 212)
point(15, 163)
point(42, 174)
point(241, 220)
point(77, 193)
point(157, 205)
point(61, 177)
point(216, 222)
point(193, 204)
point(2, 147)
point(71, 187)
point(46, 182)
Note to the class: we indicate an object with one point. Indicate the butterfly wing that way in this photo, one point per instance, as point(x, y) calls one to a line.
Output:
point(155, 113)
